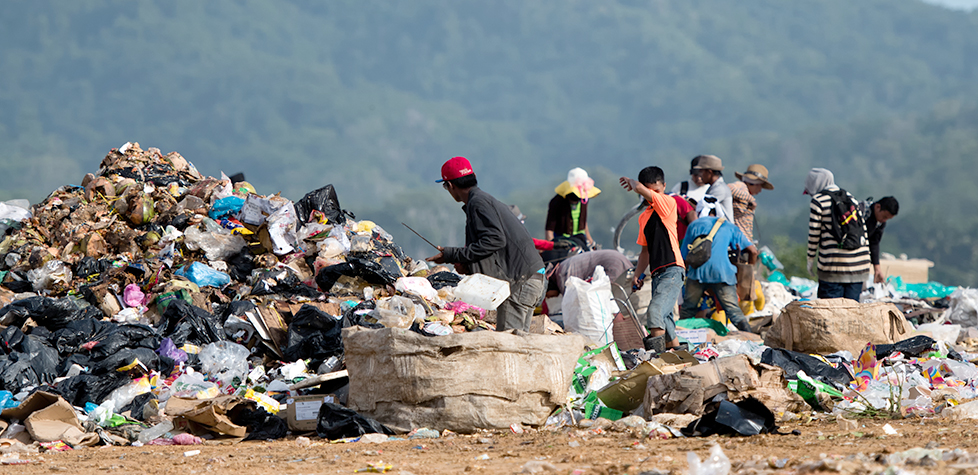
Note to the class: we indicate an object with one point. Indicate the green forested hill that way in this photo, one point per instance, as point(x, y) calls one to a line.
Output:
point(373, 95)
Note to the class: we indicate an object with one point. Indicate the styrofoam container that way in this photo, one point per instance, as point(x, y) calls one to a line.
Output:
point(482, 291)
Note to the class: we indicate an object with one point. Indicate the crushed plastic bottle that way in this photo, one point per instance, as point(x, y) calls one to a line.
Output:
point(155, 432)
point(716, 464)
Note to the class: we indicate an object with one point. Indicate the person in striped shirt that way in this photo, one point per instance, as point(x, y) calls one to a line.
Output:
point(841, 272)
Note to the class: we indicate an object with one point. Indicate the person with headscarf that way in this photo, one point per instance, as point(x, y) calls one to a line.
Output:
point(567, 212)
point(841, 272)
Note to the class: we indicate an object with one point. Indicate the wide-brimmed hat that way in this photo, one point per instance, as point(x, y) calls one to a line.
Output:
point(578, 183)
point(709, 162)
point(756, 175)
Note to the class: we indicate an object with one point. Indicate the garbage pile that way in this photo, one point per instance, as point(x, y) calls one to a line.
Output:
point(164, 302)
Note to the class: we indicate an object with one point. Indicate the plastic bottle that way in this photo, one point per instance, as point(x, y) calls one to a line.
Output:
point(716, 464)
point(155, 432)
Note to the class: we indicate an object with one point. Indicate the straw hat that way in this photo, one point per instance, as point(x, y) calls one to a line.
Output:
point(755, 175)
point(709, 162)
point(578, 183)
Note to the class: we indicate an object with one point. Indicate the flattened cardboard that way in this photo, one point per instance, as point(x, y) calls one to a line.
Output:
point(48, 417)
point(213, 414)
point(302, 414)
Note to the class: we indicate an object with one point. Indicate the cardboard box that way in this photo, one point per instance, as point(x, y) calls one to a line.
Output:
point(303, 411)
point(628, 392)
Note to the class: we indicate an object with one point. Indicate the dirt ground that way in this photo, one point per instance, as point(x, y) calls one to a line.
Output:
point(821, 447)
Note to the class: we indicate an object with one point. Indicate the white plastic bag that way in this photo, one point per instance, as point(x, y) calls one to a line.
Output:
point(964, 307)
point(416, 286)
point(224, 360)
point(588, 307)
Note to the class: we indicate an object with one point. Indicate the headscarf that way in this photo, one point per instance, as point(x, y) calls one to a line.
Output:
point(818, 179)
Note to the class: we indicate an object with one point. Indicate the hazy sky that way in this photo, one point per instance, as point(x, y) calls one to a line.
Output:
point(962, 4)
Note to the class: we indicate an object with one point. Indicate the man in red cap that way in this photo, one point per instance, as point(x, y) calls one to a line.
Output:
point(496, 244)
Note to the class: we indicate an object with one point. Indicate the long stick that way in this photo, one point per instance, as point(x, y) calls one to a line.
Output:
point(420, 236)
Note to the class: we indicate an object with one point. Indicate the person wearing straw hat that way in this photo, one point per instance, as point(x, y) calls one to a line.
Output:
point(567, 212)
point(743, 192)
point(710, 170)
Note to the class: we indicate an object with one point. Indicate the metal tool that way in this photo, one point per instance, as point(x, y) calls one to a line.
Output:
point(420, 236)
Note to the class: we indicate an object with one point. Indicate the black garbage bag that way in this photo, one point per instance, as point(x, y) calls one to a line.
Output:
point(792, 362)
point(79, 359)
point(85, 388)
point(42, 357)
point(183, 323)
point(89, 266)
point(69, 339)
point(16, 373)
point(17, 312)
point(914, 346)
point(125, 357)
point(10, 339)
point(338, 422)
point(261, 425)
point(285, 282)
point(325, 201)
point(135, 407)
point(353, 316)
point(747, 417)
point(237, 308)
point(240, 265)
point(382, 270)
point(444, 279)
point(121, 337)
point(313, 334)
point(65, 310)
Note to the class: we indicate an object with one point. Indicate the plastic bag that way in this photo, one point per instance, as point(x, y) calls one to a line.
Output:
point(85, 388)
point(261, 425)
point(52, 272)
point(203, 275)
point(313, 334)
point(963, 308)
point(416, 286)
point(397, 312)
point(124, 395)
point(186, 323)
point(223, 361)
point(59, 313)
point(338, 422)
point(170, 351)
point(217, 245)
point(11, 210)
point(224, 207)
point(444, 279)
point(192, 384)
point(588, 307)
point(323, 200)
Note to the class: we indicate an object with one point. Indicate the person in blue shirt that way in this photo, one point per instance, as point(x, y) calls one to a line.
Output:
point(717, 275)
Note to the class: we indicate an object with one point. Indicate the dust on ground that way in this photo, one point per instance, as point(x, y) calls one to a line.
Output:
point(821, 446)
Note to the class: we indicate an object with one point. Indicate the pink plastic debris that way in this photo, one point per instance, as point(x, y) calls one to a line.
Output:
point(187, 439)
point(460, 307)
point(133, 296)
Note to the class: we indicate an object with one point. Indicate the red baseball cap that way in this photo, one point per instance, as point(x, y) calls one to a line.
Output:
point(456, 167)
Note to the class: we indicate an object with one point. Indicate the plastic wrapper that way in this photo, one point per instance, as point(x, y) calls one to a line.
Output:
point(124, 395)
point(281, 230)
point(418, 286)
point(192, 384)
point(338, 422)
point(217, 245)
point(170, 351)
point(52, 272)
point(204, 275)
point(223, 361)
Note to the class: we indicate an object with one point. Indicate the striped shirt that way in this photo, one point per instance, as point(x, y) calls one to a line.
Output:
point(834, 264)
point(744, 205)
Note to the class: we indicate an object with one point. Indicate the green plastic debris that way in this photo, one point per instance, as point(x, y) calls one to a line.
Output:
point(696, 323)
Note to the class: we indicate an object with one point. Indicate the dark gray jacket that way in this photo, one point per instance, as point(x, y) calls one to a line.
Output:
point(496, 242)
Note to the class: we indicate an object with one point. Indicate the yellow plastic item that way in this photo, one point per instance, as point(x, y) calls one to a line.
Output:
point(365, 226)
point(721, 316)
point(756, 305)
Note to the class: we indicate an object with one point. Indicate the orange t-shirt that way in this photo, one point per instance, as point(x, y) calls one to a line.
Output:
point(657, 231)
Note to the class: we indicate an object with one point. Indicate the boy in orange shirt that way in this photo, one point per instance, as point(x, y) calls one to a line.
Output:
point(660, 252)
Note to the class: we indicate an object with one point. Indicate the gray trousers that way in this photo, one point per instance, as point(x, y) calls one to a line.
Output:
point(517, 311)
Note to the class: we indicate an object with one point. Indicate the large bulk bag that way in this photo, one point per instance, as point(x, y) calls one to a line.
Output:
point(829, 325)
